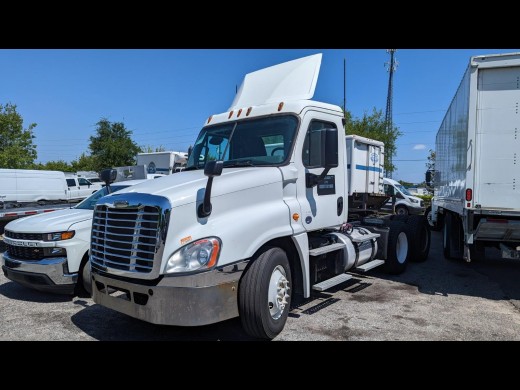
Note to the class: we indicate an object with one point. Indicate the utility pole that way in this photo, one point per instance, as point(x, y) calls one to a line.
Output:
point(391, 67)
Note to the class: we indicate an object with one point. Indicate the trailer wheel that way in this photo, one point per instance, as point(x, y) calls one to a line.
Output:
point(433, 226)
point(397, 251)
point(264, 294)
point(419, 238)
point(452, 237)
point(401, 210)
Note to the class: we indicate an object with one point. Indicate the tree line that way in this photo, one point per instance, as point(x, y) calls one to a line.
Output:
point(112, 143)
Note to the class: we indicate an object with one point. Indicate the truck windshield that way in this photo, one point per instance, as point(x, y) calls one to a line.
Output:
point(255, 142)
point(90, 202)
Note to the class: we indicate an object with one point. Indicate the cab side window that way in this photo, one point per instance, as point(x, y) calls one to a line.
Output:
point(83, 182)
point(71, 182)
point(312, 147)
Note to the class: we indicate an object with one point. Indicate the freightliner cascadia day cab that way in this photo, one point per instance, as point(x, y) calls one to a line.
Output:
point(477, 168)
point(241, 231)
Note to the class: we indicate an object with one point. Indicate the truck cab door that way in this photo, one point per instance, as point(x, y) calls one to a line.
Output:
point(323, 203)
point(73, 189)
point(84, 188)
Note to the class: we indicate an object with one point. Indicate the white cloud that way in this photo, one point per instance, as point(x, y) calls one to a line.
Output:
point(419, 147)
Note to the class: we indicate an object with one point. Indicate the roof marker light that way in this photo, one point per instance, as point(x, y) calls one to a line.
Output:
point(239, 112)
point(280, 106)
point(230, 114)
point(249, 111)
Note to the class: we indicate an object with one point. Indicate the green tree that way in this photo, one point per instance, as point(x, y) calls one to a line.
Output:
point(58, 165)
point(406, 184)
point(373, 126)
point(83, 163)
point(112, 146)
point(151, 149)
point(17, 149)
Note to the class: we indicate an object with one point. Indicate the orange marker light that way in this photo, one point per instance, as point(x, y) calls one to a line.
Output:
point(249, 111)
point(210, 118)
point(296, 217)
point(230, 114)
point(280, 106)
point(239, 112)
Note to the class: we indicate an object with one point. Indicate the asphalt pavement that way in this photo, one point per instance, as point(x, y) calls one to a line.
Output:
point(435, 300)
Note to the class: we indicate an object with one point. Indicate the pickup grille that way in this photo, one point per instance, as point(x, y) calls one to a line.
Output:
point(25, 253)
point(24, 236)
point(125, 239)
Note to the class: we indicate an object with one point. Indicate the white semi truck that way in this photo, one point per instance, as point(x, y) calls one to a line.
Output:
point(241, 231)
point(477, 167)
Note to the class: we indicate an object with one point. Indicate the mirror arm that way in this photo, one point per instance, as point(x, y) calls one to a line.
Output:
point(312, 180)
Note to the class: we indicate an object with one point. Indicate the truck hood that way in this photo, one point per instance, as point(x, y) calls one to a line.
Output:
point(188, 187)
point(55, 221)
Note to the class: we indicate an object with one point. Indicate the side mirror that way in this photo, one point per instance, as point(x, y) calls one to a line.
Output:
point(428, 178)
point(108, 176)
point(213, 168)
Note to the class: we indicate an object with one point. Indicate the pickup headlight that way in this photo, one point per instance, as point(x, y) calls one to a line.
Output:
point(413, 200)
point(59, 236)
point(201, 254)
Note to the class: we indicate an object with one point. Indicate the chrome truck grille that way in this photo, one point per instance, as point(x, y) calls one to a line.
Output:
point(128, 233)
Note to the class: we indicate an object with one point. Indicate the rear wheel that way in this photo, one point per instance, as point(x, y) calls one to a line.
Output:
point(452, 237)
point(419, 237)
point(264, 294)
point(397, 251)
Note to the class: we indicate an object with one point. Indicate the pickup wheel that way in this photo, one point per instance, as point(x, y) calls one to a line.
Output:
point(419, 238)
point(398, 247)
point(84, 284)
point(264, 294)
point(401, 210)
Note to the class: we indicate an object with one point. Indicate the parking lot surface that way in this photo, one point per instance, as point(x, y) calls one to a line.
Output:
point(434, 300)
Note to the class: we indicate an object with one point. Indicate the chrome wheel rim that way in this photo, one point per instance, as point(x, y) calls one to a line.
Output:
point(401, 247)
point(278, 294)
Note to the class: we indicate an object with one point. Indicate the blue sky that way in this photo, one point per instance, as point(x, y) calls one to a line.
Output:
point(164, 96)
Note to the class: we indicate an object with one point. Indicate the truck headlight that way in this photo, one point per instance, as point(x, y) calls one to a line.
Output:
point(201, 254)
point(59, 236)
point(413, 200)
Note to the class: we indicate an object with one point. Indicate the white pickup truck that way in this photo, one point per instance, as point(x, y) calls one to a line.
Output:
point(49, 252)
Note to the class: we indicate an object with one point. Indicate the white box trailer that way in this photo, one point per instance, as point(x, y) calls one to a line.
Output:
point(163, 162)
point(477, 169)
point(365, 159)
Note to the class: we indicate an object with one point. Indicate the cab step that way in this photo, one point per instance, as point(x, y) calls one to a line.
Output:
point(326, 249)
point(370, 265)
point(326, 284)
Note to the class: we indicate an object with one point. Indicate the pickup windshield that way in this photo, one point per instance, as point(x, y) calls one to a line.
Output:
point(90, 202)
point(265, 141)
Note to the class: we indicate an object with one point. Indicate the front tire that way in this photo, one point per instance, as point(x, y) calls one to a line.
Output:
point(84, 284)
point(398, 247)
point(264, 294)
point(401, 210)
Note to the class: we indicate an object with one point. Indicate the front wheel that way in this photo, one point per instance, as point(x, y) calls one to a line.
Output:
point(84, 285)
point(264, 294)
point(401, 210)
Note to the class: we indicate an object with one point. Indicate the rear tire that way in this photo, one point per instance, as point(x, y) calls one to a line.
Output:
point(452, 237)
point(419, 238)
point(84, 284)
point(397, 251)
point(264, 294)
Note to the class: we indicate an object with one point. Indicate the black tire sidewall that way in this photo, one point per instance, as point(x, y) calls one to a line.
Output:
point(419, 238)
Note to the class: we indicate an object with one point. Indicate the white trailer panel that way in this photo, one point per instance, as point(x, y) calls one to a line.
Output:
point(365, 158)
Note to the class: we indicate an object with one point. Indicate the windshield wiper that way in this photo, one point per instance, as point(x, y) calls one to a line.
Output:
point(247, 163)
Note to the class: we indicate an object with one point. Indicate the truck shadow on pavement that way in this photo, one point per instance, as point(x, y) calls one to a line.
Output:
point(493, 278)
point(105, 324)
point(18, 292)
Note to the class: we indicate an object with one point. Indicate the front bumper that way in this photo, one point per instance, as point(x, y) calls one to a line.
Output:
point(417, 210)
point(186, 300)
point(44, 275)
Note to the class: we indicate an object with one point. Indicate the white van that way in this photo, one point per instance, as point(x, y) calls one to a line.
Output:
point(27, 185)
point(405, 203)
